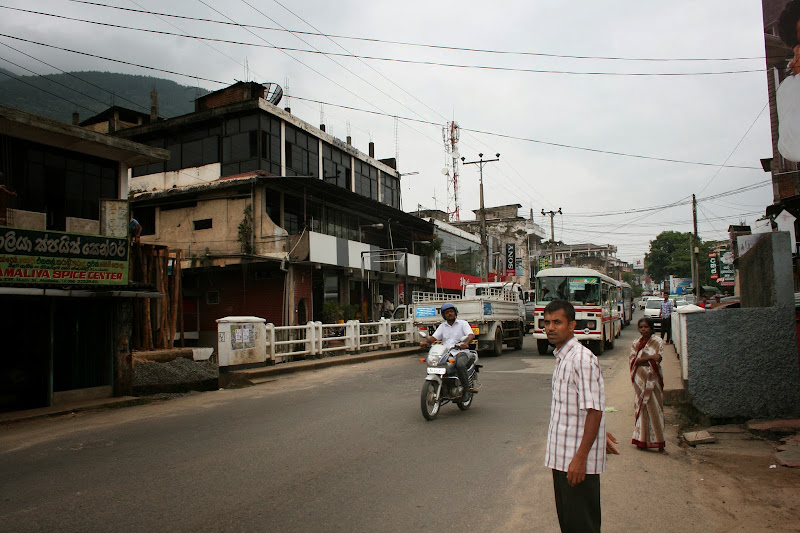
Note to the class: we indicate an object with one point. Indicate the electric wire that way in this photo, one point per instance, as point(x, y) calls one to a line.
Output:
point(389, 59)
point(735, 147)
point(141, 106)
point(427, 45)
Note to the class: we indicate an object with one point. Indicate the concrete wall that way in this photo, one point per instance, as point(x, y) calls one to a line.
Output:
point(743, 362)
point(17, 218)
point(765, 272)
point(186, 177)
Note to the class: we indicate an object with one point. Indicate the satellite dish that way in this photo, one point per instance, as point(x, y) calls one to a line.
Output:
point(445, 171)
point(273, 93)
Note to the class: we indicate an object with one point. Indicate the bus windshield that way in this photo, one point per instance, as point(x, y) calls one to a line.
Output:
point(574, 289)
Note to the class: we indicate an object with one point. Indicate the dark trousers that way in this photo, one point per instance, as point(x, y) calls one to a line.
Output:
point(462, 362)
point(578, 507)
point(666, 328)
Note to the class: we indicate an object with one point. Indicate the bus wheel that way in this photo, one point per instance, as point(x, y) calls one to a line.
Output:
point(609, 345)
point(543, 345)
point(596, 347)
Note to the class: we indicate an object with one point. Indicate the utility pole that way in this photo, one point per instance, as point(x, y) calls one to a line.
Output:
point(552, 234)
point(484, 237)
point(695, 253)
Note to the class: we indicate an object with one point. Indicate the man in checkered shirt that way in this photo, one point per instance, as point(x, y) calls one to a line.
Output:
point(576, 439)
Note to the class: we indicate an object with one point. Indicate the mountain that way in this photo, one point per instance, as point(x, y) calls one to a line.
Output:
point(59, 95)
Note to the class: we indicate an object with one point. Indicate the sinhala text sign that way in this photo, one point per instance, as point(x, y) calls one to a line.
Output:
point(59, 258)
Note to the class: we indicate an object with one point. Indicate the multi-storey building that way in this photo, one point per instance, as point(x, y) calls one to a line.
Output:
point(512, 242)
point(275, 217)
point(67, 294)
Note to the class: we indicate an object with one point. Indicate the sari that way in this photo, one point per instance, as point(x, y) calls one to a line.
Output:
point(648, 390)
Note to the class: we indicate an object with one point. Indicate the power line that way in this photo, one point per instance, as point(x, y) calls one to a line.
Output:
point(111, 59)
point(39, 88)
point(425, 45)
point(70, 75)
point(560, 145)
point(390, 59)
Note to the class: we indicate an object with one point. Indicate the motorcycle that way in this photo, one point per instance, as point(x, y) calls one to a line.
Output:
point(442, 384)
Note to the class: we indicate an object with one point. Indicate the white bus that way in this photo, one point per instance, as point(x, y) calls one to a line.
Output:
point(594, 296)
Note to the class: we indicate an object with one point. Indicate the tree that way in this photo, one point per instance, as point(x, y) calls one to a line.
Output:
point(670, 255)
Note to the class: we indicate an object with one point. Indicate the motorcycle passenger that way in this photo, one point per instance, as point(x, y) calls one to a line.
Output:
point(450, 332)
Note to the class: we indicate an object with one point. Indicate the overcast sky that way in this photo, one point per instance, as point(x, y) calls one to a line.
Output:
point(712, 119)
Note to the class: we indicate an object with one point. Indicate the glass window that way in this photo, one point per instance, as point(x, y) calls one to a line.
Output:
point(390, 190)
point(293, 214)
point(336, 167)
point(302, 153)
point(58, 182)
point(366, 179)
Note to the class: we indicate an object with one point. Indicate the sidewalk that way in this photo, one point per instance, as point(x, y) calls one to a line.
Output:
point(735, 484)
point(244, 378)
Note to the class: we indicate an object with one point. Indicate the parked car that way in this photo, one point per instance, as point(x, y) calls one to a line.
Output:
point(643, 301)
point(652, 309)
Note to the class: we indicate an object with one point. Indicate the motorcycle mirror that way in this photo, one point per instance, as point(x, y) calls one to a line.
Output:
point(423, 334)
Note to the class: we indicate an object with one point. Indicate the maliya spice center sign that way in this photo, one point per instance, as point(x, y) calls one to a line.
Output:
point(59, 258)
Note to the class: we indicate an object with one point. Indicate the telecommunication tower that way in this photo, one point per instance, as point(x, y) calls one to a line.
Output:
point(450, 134)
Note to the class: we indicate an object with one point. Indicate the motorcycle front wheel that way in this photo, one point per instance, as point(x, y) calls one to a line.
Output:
point(429, 403)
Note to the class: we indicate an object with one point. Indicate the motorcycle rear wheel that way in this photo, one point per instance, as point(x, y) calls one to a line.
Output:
point(464, 405)
point(430, 405)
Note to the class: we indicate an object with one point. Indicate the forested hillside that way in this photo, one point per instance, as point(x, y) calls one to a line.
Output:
point(59, 95)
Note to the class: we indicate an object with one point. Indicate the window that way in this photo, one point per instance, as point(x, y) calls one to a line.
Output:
point(366, 178)
point(336, 167)
point(390, 190)
point(302, 153)
point(240, 146)
point(271, 145)
point(59, 183)
point(272, 201)
point(202, 224)
point(212, 297)
point(293, 214)
point(190, 148)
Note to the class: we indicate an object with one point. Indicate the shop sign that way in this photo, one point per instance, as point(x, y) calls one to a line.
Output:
point(511, 259)
point(59, 258)
point(712, 265)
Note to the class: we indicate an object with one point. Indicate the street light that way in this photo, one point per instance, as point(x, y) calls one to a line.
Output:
point(375, 226)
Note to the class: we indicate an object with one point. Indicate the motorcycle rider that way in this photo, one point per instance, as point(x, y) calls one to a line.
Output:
point(450, 332)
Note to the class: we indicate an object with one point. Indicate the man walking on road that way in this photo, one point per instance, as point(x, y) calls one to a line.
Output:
point(576, 439)
point(666, 319)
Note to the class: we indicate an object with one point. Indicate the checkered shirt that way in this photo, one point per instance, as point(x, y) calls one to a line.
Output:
point(666, 308)
point(577, 387)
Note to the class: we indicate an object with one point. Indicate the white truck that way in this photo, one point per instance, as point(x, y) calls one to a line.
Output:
point(495, 311)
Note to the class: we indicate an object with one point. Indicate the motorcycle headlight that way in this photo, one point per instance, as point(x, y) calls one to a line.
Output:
point(433, 359)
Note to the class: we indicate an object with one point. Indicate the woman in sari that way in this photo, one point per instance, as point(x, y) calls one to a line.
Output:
point(648, 388)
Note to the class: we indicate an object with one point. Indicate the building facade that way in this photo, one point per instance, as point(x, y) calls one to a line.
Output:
point(275, 217)
point(512, 242)
point(67, 294)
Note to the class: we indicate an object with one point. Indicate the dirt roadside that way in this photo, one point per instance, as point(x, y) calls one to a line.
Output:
point(725, 486)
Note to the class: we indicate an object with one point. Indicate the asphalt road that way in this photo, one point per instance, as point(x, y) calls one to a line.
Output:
point(342, 449)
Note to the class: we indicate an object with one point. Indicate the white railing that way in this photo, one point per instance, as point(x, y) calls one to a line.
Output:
point(315, 339)
point(419, 296)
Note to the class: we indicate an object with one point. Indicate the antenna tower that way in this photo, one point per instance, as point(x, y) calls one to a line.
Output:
point(450, 133)
point(396, 143)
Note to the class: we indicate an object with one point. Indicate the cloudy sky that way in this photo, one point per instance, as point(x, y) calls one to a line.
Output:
point(606, 110)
